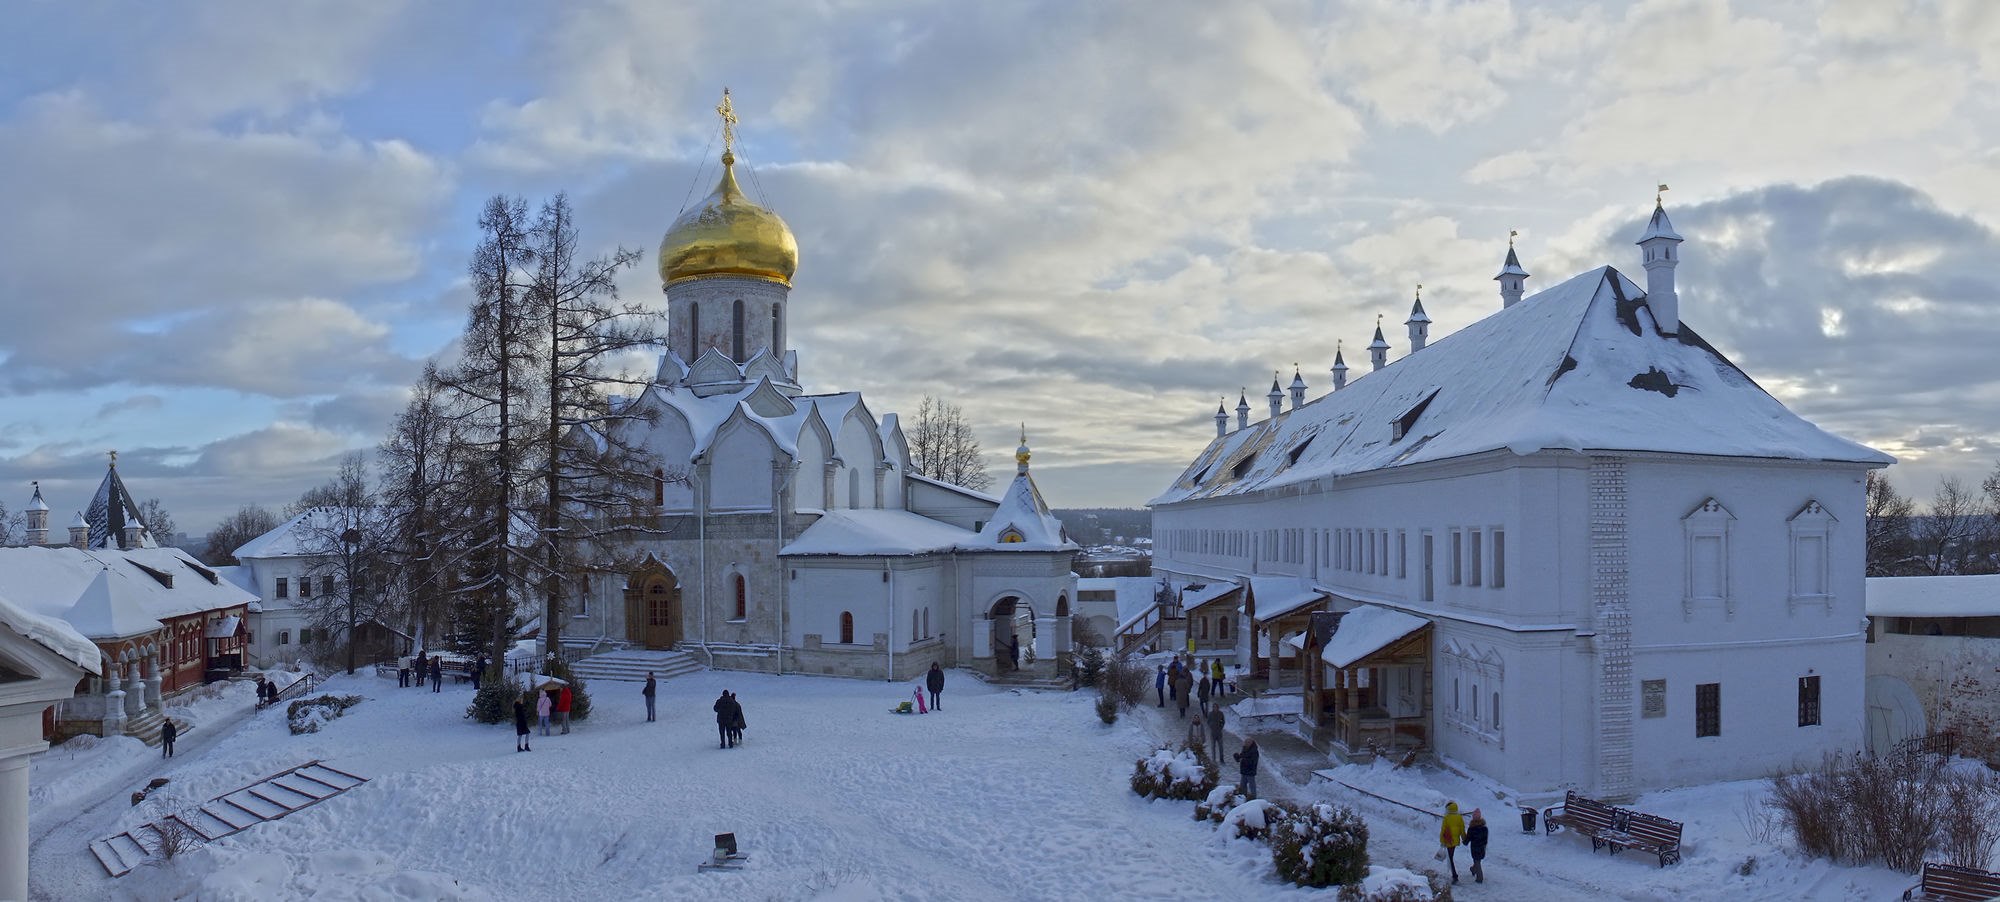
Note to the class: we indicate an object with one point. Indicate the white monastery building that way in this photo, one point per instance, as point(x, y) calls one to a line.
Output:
point(1571, 545)
point(788, 533)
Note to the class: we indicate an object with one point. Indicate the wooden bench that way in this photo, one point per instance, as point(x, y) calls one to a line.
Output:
point(1616, 828)
point(1948, 881)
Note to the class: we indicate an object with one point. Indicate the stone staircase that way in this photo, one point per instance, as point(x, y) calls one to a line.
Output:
point(146, 727)
point(630, 665)
point(265, 800)
point(1028, 677)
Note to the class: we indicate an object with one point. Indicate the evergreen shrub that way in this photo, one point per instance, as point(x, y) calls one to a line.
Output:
point(1320, 845)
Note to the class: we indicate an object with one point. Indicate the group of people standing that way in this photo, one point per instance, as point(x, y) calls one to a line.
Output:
point(1184, 680)
point(728, 719)
point(267, 692)
point(419, 665)
point(552, 708)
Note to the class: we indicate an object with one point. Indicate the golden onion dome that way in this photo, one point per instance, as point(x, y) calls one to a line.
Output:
point(727, 235)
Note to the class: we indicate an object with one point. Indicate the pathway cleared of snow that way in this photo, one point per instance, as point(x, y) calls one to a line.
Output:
point(1002, 795)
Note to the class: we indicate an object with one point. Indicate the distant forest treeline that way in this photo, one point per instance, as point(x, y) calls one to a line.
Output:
point(1106, 525)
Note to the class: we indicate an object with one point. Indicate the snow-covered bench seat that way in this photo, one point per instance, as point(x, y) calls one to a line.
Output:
point(1946, 881)
point(1617, 828)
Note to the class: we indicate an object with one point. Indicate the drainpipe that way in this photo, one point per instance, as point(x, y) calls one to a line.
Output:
point(701, 544)
point(889, 576)
point(784, 584)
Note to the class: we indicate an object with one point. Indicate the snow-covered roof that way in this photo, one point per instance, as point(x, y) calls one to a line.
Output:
point(1576, 367)
point(1192, 598)
point(111, 510)
point(974, 494)
point(1023, 522)
point(1659, 226)
point(1280, 595)
point(303, 533)
point(1513, 265)
point(878, 532)
point(1365, 631)
point(110, 608)
point(1133, 595)
point(56, 635)
point(1933, 596)
point(165, 582)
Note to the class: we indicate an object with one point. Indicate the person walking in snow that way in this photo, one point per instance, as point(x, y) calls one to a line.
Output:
point(1014, 651)
point(437, 673)
point(736, 722)
point(725, 719)
point(1450, 834)
point(478, 669)
point(563, 700)
point(521, 726)
point(1182, 683)
point(1215, 728)
point(403, 673)
point(934, 681)
point(652, 689)
point(1221, 677)
point(1475, 842)
point(542, 708)
point(1160, 685)
point(168, 732)
point(417, 664)
point(1246, 767)
point(1206, 688)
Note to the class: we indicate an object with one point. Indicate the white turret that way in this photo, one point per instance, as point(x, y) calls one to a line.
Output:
point(79, 531)
point(1659, 244)
point(1511, 277)
point(1276, 397)
point(1298, 387)
point(1339, 369)
point(1419, 323)
point(1243, 410)
point(38, 518)
point(1221, 420)
point(1378, 350)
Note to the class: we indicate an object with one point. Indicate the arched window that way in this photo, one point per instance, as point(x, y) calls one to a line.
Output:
point(742, 597)
point(736, 333)
point(659, 487)
point(916, 625)
point(694, 332)
point(777, 329)
point(846, 627)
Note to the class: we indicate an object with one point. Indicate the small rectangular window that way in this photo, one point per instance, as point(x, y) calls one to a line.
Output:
point(1457, 555)
point(284, 588)
point(284, 637)
point(1499, 559)
point(1473, 573)
point(326, 585)
point(1809, 701)
point(1402, 554)
point(1430, 569)
point(1708, 709)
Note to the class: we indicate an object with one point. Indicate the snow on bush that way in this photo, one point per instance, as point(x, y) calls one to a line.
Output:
point(1897, 810)
point(1319, 845)
point(1392, 885)
point(1252, 819)
point(307, 715)
point(1173, 774)
point(1220, 800)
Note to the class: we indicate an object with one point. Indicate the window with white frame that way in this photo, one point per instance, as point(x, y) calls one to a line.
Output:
point(1476, 573)
point(1705, 532)
point(1478, 677)
point(1499, 558)
point(1457, 556)
point(1812, 534)
point(1402, 554)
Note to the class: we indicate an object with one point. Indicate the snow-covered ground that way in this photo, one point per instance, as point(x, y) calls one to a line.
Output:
point(1002, 795)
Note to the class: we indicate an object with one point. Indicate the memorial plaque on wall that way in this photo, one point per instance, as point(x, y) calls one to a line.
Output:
point(1653, 698)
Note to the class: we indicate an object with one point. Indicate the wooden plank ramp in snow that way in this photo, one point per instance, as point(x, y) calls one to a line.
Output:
point(232, 812)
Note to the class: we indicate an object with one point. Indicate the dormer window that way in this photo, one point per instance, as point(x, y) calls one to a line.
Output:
point(1012, 536)
point(1297, 451)
point(1242, 467)
point(1403, 424)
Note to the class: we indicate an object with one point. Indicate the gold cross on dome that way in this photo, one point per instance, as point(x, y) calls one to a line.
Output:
point(728, 113)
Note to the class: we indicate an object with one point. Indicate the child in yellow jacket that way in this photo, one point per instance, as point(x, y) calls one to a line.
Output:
point(1450, 834)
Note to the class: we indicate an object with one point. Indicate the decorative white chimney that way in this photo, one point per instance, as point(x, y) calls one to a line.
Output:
point(79, 531)
point(134, 535)
point(1419, 322)
point(1276, 397)
point(1221, 420)
point(1339, 369)
point(38, 518)
point(1659, 245)
point(1298, 387)
point(1243, 409)
point(1512, 276)
point(1378, 350)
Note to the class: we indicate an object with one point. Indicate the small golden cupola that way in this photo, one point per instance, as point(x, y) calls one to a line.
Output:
point(726, 234)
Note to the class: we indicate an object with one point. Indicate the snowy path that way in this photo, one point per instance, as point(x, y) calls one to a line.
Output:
point(1000, 796)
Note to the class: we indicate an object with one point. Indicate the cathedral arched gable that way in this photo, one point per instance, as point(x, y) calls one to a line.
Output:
point(865, 418)
point(815, 444)
point(766, 401)
point(713, 367)
point(740, 460)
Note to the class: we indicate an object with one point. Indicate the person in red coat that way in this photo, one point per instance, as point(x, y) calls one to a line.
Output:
point(563, 699)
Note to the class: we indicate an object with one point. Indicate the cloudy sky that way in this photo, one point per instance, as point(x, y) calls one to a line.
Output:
point(234, 230)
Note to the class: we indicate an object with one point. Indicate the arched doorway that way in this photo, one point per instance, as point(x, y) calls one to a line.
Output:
point(1013, 621)
point(653, 606)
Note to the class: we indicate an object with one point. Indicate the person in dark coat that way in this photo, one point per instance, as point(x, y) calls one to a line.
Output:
point(168, 732)
point(934, 681)
point(1204, 689)
point(1182, 682)
point(725, 719)
point(1246, 766)
point(437, 674)
point(651, 690)
point(1160, 685)
point(521, 726)
point(270, 692)
point(1014, 651)
point(478, 670)
point(1475, 839)
point(417, 662)
point(1215, 727)
point(736, 723)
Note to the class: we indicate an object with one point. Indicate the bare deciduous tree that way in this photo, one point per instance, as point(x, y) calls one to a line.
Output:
point(420, 465)
point(1888, 525)
point(249, 522)
point(1950, 536)
point(943, 447)
point(346, 547)
point(157, 521)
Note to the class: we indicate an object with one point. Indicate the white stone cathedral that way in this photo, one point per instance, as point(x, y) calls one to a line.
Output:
point(800, 540)
point(1571, 545)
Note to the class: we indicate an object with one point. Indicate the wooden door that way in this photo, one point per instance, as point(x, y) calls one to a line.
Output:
point(653, 607)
